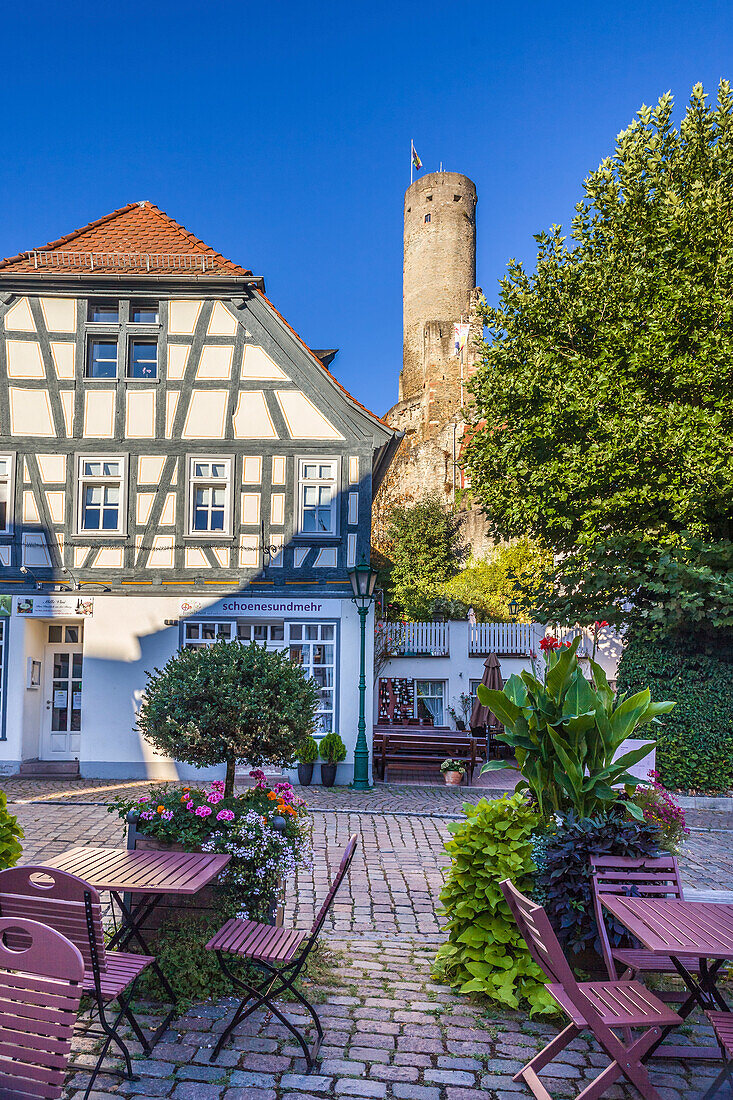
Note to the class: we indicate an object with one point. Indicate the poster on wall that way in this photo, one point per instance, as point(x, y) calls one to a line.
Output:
point(6, 605)
point(53, 606)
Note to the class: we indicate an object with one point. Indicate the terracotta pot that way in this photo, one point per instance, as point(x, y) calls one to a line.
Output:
point(453, 779)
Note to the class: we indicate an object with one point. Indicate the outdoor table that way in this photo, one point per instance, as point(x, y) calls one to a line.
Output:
point(676, 928)
point(147, 874)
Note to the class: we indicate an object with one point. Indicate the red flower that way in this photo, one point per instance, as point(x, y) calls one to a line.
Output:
point(548, 643)
point(600, 626)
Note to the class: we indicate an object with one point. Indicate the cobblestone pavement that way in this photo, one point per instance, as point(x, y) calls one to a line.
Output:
point(391, 1031)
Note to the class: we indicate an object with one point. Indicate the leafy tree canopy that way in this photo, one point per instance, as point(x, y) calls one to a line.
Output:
point(603, 409)
point(489, 584)
point(423, 548)
point(227, 703)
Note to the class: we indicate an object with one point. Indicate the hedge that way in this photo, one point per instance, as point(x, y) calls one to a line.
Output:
point(695, 746)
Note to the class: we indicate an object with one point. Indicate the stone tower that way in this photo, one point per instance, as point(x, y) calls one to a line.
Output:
point(439, 276)
point(439, 290)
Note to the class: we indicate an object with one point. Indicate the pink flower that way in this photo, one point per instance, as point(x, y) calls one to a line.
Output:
point(203, 811)
point(189, 806)
point(143, 798)
point(147, 815)
point(215, 796)
point(167, 815)
point(218, 785)
point(225, 815)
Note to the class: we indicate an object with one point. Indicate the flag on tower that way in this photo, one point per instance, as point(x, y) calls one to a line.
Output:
point(415, 158)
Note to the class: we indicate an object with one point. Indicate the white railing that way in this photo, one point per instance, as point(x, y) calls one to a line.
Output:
point(569, 634)
point(416, 639)
point(503, 638)
point(129, 261)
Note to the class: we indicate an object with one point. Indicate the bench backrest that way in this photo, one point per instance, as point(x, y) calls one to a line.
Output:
point(60, 900)
point(624, 876)
point(409, 740)
point(41, 978)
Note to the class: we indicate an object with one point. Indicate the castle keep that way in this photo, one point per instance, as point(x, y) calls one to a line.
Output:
point(439, 292)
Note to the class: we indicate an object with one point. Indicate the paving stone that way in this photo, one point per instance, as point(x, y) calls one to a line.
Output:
point(311, 1081)
point(448, 1077)
point(251, 1094)
point(196, 1090)
point(354, 1087)
point(200, 1073)
point(346, 1066)
point(415, 1092)
point(247, 1079)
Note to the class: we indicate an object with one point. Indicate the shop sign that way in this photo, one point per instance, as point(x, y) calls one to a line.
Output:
point(254, 607)
point(52, 606)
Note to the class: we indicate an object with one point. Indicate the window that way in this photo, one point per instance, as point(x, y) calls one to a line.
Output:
point(429, 701)
point(144, 313)
point(70, 635)
point(143, 359)
point(3, 637)
point(270, 634)
point(313, 647)
point(106, 312)
point(6, 493)
point(200, 635)
point(317, 489)
point(101, 495)
point(102, 359)
point(456, 198)
point(427, 218)
point(209, 495)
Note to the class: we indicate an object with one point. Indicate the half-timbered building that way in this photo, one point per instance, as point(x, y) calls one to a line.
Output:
point(176, 466)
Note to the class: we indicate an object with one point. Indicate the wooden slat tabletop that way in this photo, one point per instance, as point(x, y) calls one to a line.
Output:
point(671, 927)
point(141, 872)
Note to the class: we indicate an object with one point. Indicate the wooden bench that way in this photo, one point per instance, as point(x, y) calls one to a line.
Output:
point(416, 750)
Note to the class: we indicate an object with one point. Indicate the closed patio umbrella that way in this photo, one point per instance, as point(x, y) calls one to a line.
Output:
point(481, 716)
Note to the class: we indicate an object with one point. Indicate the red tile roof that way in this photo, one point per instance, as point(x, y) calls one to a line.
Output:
point(137, 230)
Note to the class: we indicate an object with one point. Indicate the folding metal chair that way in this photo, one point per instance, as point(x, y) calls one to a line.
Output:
point(650, 877)
point(723, 1027)
point(72, 907)
point(40, 989)
point(598, 1006)
point(281, 955)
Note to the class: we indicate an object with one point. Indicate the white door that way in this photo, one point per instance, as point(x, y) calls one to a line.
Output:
point(61, 718)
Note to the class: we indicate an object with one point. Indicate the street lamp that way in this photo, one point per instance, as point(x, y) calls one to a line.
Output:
point(363, 578)
point(513, 609)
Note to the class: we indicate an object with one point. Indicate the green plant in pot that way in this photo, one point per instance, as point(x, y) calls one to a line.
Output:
point(333, 751)
point(567, 734)
point(307, 755)
point(453, 772)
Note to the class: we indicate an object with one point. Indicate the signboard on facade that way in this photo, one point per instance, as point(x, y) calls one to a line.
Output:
point(54, 606)
point(254, 607)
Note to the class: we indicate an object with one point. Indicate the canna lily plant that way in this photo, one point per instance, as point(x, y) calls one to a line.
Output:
point(566, 733)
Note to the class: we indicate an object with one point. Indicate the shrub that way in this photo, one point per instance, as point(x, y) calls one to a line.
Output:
point(562, 878)
point(695, 746)
point(332, 749)
point(226, 703)
point(422, 544)
point(11, 835)
point(308, 751)
point(566, 733)
point(485, 952)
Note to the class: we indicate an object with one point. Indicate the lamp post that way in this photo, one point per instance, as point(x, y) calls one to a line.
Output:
point(514, 609)
point(363, 578)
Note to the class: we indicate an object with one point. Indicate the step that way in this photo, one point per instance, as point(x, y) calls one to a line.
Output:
point(48, 769)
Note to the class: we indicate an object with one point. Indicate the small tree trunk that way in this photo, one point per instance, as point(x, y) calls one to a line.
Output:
point(229, 781)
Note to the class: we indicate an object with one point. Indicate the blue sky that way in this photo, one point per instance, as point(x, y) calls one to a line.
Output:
point(280, 132)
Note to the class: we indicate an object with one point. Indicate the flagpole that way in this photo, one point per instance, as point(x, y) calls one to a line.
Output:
point(412, 158)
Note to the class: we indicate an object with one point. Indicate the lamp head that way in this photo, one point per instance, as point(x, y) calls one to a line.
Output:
point(363, 579)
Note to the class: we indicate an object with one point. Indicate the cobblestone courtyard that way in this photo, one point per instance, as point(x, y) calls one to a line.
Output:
point(391, 1031)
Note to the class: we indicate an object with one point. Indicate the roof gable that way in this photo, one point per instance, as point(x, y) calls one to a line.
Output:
point(137, 238)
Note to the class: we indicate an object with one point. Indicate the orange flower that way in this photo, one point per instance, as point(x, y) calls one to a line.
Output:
point(160, 809)
point(271, 795)
point(184, 798)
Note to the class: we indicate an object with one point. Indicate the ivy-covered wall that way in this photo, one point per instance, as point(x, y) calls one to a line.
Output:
point(695, 748)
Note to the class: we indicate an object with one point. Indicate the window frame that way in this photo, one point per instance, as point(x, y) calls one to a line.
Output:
point(142, 305)
point(150, 341)
point(10, 525)
point(300, 484)
point(101, 338)
point(81, 480)
point(191, 482)
point(443, 697)
point(94, 302)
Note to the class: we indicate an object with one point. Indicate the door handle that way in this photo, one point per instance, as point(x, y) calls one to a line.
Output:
point(48, 704)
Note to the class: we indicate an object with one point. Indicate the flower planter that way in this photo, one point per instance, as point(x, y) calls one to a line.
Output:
point(205, 905)
point(305, 774)
point(328, 774)
point(453, 779)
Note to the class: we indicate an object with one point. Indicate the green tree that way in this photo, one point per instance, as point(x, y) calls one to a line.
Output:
point(227, 703)
point(509, 571)
point(423, 547)
point(604, 406)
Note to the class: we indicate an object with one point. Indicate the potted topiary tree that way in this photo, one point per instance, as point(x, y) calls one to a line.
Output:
point(228, 703)
point(333, 751)
point(307, 755)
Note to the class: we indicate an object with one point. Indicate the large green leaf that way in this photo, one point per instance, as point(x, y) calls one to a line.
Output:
point(625, 717)
point(504, 709)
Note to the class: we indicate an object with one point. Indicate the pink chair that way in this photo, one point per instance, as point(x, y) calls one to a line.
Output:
point(41, 976)
point(600, 1007)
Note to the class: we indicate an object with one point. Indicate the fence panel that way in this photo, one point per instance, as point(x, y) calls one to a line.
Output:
point(508, 639)
point(416, 639)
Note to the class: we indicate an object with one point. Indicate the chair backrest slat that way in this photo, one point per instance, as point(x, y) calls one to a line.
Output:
point(40, 990)
point(58, 899)
point(625, 876)
point(340, 874)
point(539, 936)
